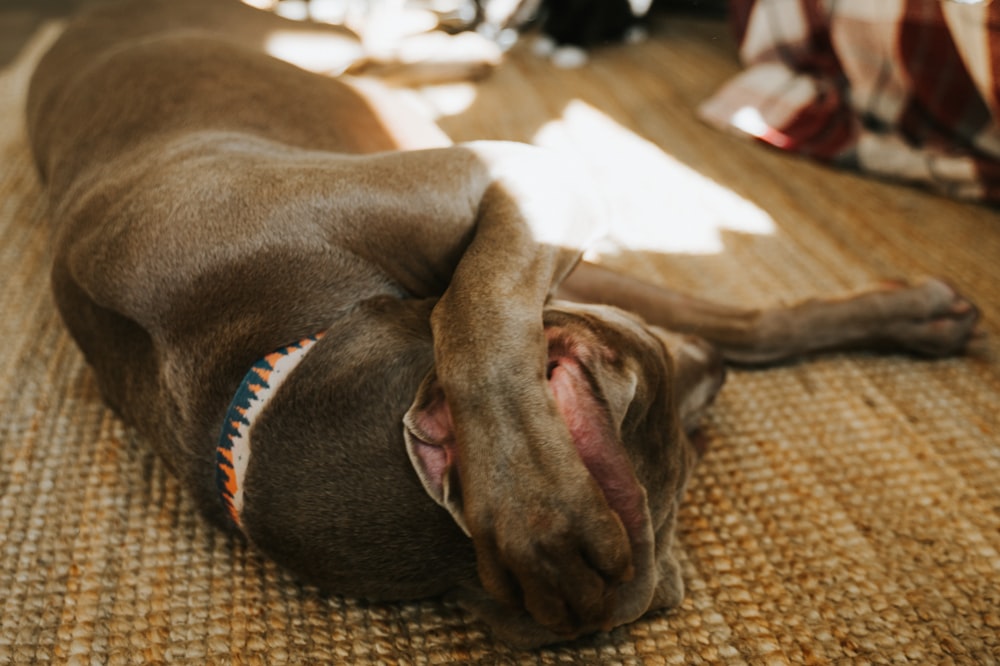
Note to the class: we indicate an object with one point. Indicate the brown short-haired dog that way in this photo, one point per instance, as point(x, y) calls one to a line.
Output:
point(352, 341)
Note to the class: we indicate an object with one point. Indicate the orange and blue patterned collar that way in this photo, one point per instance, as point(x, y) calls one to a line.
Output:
point(233, 451)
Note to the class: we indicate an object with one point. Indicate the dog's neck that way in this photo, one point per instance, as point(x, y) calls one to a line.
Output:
point(255, 391)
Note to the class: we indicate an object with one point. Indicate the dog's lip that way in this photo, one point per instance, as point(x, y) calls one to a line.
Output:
point(598, 446)
point(605, 458)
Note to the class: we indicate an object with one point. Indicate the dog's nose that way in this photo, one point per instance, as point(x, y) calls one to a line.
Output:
point(710, 357)
point(700, 351)
point(699, 375)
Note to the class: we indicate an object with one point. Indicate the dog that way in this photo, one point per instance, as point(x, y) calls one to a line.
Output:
point(376, 355)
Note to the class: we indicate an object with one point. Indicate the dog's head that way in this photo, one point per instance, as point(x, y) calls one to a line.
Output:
point(627, 392)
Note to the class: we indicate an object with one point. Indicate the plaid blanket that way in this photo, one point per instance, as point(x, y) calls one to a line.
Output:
point(903, 89)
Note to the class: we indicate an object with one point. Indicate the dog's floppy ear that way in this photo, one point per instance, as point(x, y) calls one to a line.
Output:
point(430, 443)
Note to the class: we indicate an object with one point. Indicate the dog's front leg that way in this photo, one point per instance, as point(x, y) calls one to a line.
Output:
point(926, 317)
point(546, 539)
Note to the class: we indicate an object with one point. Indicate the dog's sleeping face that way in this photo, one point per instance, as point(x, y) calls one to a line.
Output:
point(615, 381)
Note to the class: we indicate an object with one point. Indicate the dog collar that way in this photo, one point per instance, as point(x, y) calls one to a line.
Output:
point(233, 452)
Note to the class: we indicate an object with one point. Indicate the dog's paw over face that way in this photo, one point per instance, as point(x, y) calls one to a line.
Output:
point(612, 381)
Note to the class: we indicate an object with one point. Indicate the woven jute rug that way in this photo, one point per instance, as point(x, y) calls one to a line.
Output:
point(847, 512)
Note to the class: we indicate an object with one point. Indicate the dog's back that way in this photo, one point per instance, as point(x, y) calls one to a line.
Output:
point(125, 73)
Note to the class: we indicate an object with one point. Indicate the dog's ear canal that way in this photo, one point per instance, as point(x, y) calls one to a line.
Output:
point(430, 443)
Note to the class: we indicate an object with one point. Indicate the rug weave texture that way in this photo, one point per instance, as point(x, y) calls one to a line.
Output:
point(848, 510)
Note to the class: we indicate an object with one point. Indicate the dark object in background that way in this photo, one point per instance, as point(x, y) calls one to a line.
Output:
point(591, 22)
point(586, 23)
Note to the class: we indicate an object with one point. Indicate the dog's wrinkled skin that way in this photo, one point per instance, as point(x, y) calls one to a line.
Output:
point(211, 204)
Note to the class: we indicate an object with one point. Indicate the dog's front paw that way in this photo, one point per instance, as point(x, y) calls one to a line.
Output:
point(930, 317)
point(561, 557)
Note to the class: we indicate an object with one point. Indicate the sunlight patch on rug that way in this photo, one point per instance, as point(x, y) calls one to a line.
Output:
point(659, 203)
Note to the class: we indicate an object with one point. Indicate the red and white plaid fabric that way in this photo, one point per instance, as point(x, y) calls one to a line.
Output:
point(906, 89)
